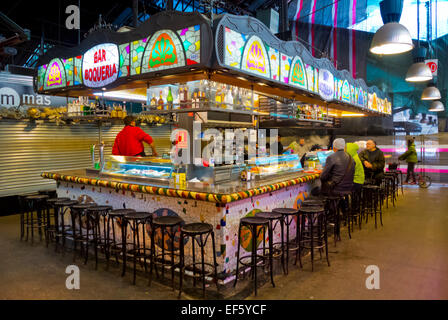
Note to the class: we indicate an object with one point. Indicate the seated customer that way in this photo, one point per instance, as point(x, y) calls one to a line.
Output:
point(337, 175)
point(358, 180)
point(373, 161)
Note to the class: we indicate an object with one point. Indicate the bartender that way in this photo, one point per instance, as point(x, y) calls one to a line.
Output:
point(129, 141)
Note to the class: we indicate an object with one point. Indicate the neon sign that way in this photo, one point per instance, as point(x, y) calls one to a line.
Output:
point(100, 65)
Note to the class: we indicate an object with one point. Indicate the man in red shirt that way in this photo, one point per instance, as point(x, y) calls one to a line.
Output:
point(129, 141)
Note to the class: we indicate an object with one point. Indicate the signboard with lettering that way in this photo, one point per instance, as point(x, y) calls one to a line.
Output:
point(326, 84)
point(100, 65)
point(433, 64)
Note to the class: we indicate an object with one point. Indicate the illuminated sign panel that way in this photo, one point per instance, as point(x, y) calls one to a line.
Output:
point(100, 65)
point(326, 84)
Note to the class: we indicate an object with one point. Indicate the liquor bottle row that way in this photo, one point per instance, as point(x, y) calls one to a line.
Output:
point(202, 94)
point(82, 107)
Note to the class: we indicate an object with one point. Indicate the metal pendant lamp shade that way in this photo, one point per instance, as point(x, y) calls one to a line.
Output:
point(419, 71)
point(436, 106)
point(392, 38)
point(431, 93)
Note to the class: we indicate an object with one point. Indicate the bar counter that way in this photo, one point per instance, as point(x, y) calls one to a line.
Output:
point(220, 205)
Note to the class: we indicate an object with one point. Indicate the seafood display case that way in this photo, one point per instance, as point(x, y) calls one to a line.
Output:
point(151, 169)
point(267, 167)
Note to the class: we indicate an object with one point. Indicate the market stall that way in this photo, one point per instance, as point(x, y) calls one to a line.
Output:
point(228, 73)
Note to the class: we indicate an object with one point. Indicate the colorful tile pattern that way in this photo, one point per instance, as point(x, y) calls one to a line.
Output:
point(41, 71)
point(69, 67)
point(285, 67)
point(274, 59)
point(298, 77)
point(234, 46)
point(210, 197)
point(77, 70)
point(255, 58)
point(55, 75)
point(225, 219)
point(164, 51)
point(136, 54)
point(125, 53)
point(191, 40)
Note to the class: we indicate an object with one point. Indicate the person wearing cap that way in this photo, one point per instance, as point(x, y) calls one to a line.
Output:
point(129, 141)
point(338, 173)
point(373, 161)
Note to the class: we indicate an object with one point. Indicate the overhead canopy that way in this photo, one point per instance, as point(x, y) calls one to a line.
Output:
point(174, 46)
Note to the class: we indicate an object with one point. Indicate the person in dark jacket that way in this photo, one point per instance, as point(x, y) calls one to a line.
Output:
point(338, 173)
point(373, 161)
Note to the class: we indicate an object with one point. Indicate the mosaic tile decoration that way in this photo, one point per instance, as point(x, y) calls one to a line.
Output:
point(77, 70)
point(274, 59)
point(136, 53)
point(124, 50)
point(191, 40)
point(55, 75)
point(312, 74)
point(41, 71)
point(225, 220)
point(210, 197)
point(163, 51)
point(69, 68)
point(234, 45)
point(255, 58)
point(285, 66)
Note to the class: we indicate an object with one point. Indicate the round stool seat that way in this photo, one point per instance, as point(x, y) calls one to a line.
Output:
point(138, 215)
point(121, 212)
point(83, 206)
point(99, 208)
point(197, 228)
point(66, 203)
point(54, 200)
point(332, 198)
point(286, 211)
point(371, 186)
point(269, 215)
point(167, 221)
point(312, 202)
point(311, 210)
point(37, 197)
point(254, 221)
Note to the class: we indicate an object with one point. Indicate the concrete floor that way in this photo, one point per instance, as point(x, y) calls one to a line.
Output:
point(411, 251)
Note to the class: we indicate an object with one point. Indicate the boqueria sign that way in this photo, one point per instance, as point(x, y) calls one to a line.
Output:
point(242, 45)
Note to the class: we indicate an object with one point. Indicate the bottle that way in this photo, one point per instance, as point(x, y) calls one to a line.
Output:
point(181, 97)
point(195, 100)
point(218, 98)
point(160, 102)
point(228, 99)
point(119, 112)
point(169, 100)
point(153, 102)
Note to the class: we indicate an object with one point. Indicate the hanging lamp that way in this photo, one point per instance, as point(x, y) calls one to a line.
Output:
point(436, 106)
point(392, 37)
point(418, 71)
point(431, 92)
